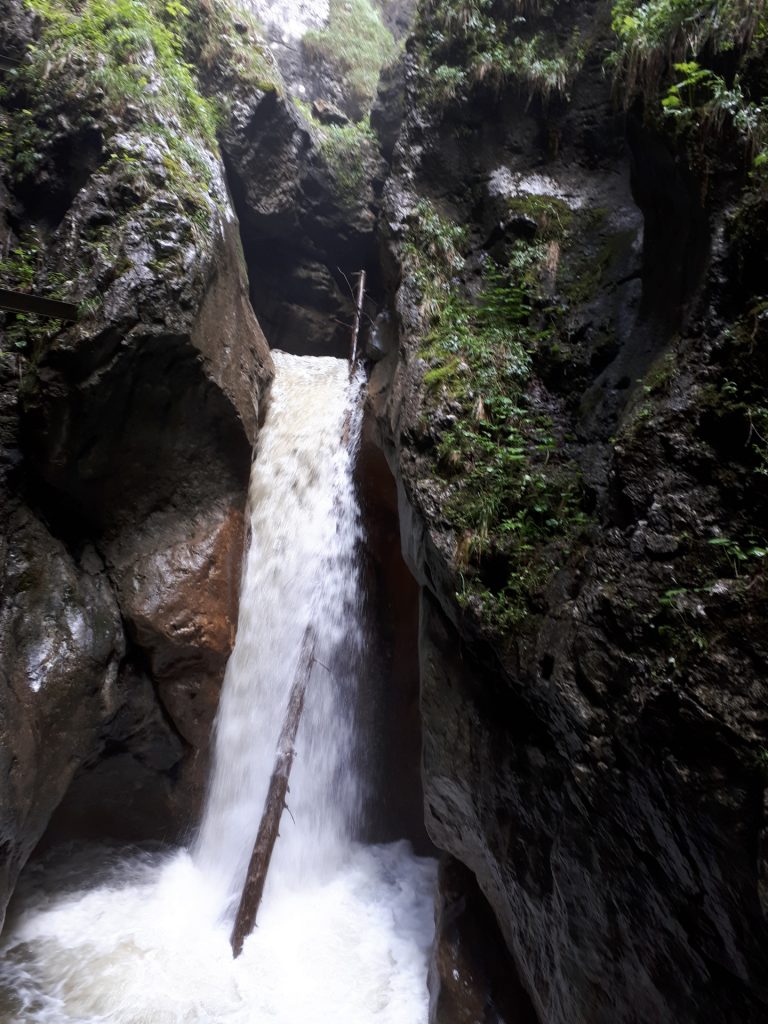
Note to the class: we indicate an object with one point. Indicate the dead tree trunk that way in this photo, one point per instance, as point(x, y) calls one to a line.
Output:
point(356, 323)
point(274, 804)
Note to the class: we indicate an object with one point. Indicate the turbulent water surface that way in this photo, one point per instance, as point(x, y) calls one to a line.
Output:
point(142, 937)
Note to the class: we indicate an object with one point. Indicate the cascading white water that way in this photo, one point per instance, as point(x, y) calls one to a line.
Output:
point(301, 570)
point(120, 937)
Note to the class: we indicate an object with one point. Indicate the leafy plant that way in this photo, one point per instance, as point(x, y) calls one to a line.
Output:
point(736, 554)
point(465, 42)
point(19, 271)
point(655, 34)
point(668, 51)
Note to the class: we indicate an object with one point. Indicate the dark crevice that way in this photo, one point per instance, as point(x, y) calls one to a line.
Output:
point(473, 976)
point(390, 725)
point(303, 291)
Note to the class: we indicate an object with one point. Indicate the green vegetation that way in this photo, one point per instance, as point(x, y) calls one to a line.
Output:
point(348, 150)
point(357, 45)
point(20, 271)
point(108, 65)
point(750, 403)
point(125, 65)
point(744, 407)
point(121, 77)
point(512, 499)
point(110, 85)
point(698, 67)
point(736, 554)
point(224, 41)
point(656, 381)
point(654, 34)
point(464, 42)
point(131, 53)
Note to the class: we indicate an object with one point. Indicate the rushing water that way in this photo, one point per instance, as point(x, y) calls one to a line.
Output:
point(111, 936)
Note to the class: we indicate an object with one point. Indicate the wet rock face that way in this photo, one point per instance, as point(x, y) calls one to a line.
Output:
point(597, 764)
point(388, 712)
point(472, 978)
point(178, 585)
point(304, 232)
point(61, 642)
point(306, 69)
point(606, 880)
point(138, 438)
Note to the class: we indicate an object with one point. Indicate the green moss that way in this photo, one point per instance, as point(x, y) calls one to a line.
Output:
point(445, 374)
point(661, 374)
point(124, 69)
point(584, 267)
point(553, 216)
point(512, 498)
point(357, 45)
point(225, 42)
point(105, 64)
point(348, 151)
point(130, 51)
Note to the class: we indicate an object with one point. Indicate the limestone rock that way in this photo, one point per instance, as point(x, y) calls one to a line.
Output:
point(328, 113)
point(61, 642)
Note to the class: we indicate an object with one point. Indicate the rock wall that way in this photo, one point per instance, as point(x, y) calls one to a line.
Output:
point(308, 218)
point(593, 674)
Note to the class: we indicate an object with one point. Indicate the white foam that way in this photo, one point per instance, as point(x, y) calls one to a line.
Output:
point(146, 945)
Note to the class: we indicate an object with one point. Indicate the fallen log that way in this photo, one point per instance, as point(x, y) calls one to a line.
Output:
point(253, 890)
point(356, 323)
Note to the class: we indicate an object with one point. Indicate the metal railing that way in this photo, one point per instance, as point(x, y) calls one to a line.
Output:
point(22, 302)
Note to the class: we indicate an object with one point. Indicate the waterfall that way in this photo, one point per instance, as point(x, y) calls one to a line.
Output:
point(141, 936)
point(301, 570)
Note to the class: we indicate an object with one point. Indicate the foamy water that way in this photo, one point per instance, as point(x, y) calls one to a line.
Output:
point(108, 936)
point(145, 944)
point(302, 569)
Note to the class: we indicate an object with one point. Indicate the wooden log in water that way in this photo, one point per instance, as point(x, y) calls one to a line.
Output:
point(253, 890)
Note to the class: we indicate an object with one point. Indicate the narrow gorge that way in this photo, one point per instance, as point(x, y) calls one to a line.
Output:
point(527, 525)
